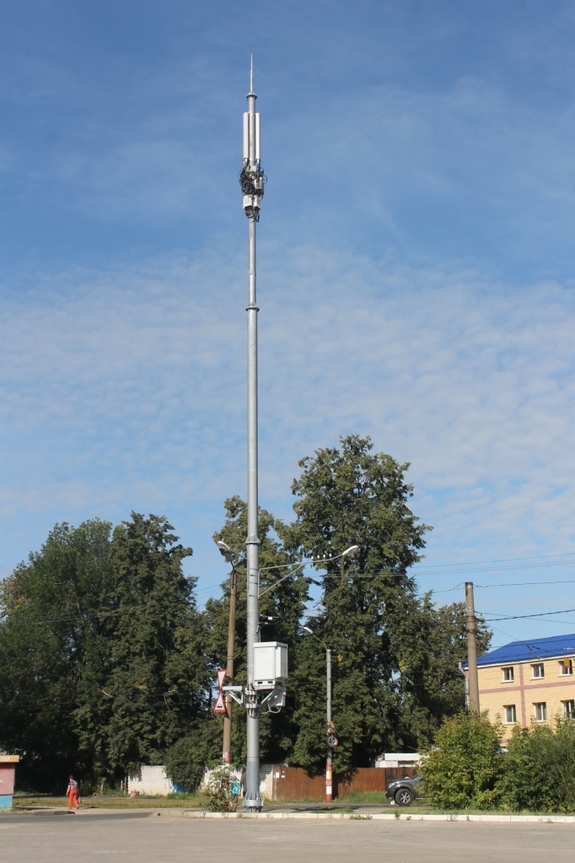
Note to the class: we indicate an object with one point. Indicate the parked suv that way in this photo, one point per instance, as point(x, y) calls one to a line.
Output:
point(404, 791)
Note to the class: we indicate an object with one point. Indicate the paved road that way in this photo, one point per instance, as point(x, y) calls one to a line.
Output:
point(166, 839)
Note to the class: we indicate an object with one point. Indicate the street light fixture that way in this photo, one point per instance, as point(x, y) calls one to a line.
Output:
point(331, 739)
point(225, 550)
point(351, 550)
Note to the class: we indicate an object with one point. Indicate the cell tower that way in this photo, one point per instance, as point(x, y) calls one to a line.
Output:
point(252, 182)
point(266, 661)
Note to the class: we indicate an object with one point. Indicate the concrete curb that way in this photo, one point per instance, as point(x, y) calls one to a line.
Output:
point(336, 816)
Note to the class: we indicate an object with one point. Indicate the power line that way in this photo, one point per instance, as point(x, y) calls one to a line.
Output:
point(526, 616)
point(496, 560)
point(525, 583)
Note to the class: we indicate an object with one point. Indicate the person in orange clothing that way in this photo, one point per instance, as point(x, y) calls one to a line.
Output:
point(72, 794)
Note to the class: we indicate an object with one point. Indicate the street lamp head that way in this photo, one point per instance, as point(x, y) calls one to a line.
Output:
point(225, 550)
point(308, 630)
point(351, 550)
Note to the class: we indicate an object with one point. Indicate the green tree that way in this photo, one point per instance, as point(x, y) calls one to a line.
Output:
point(540, 769)
point(432, 643)
point(350, 496)
point(159, 680)
point(465, 767)
point(54, 651)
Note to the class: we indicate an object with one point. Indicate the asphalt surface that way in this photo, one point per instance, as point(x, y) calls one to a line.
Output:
point(132, 837)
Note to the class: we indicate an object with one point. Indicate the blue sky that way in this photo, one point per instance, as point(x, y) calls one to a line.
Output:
point(416, 276)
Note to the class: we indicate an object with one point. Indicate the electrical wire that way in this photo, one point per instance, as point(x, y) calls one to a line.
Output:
point(525, 583)
point(497, 560)
point(526, 616)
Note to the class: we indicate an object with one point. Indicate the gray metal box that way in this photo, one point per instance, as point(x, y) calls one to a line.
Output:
point(270, 664)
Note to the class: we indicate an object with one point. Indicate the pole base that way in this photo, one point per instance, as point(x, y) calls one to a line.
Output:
point(253, 804)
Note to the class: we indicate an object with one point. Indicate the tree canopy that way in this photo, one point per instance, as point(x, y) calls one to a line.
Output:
point(351, 497)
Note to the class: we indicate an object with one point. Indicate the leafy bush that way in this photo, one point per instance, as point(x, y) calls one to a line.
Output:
point(186, 762)
point(217, 794)
point(464, 769)
point(540, 769)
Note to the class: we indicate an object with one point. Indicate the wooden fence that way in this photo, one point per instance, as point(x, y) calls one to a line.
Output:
point(293, 783)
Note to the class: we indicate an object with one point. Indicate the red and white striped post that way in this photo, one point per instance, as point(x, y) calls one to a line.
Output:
point(330, 737)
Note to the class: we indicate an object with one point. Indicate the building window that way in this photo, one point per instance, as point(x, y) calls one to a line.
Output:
point(540, 711)
point(508, 674)
point(566, 666)
point(510, 714)
point(568, 709)
point(538, 670)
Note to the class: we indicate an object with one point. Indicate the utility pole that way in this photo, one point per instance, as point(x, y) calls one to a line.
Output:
point(252, 182)
point(471, 648)
point(329, 755)
point(331, 739)
point(230, 557)
point(227, 743)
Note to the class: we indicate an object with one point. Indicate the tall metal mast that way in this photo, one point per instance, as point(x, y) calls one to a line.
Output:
point(252, 182)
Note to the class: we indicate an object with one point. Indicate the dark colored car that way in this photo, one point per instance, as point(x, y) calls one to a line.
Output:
point(404, 791)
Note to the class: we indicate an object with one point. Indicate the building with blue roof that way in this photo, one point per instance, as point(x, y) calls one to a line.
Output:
point(527, 682)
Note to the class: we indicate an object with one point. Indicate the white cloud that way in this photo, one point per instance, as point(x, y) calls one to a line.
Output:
point(126, 390)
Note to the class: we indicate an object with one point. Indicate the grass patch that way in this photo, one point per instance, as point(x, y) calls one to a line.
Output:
point(364, 797)
point(381, 798)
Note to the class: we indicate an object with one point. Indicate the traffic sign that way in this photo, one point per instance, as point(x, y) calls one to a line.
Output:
point(220, 706)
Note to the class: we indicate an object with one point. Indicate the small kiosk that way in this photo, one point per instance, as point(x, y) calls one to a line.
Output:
point(7, 777)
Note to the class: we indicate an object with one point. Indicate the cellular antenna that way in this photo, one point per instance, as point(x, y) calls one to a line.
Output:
point(252, 177)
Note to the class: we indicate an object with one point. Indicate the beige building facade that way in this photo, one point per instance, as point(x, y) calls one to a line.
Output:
point(528, 682)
